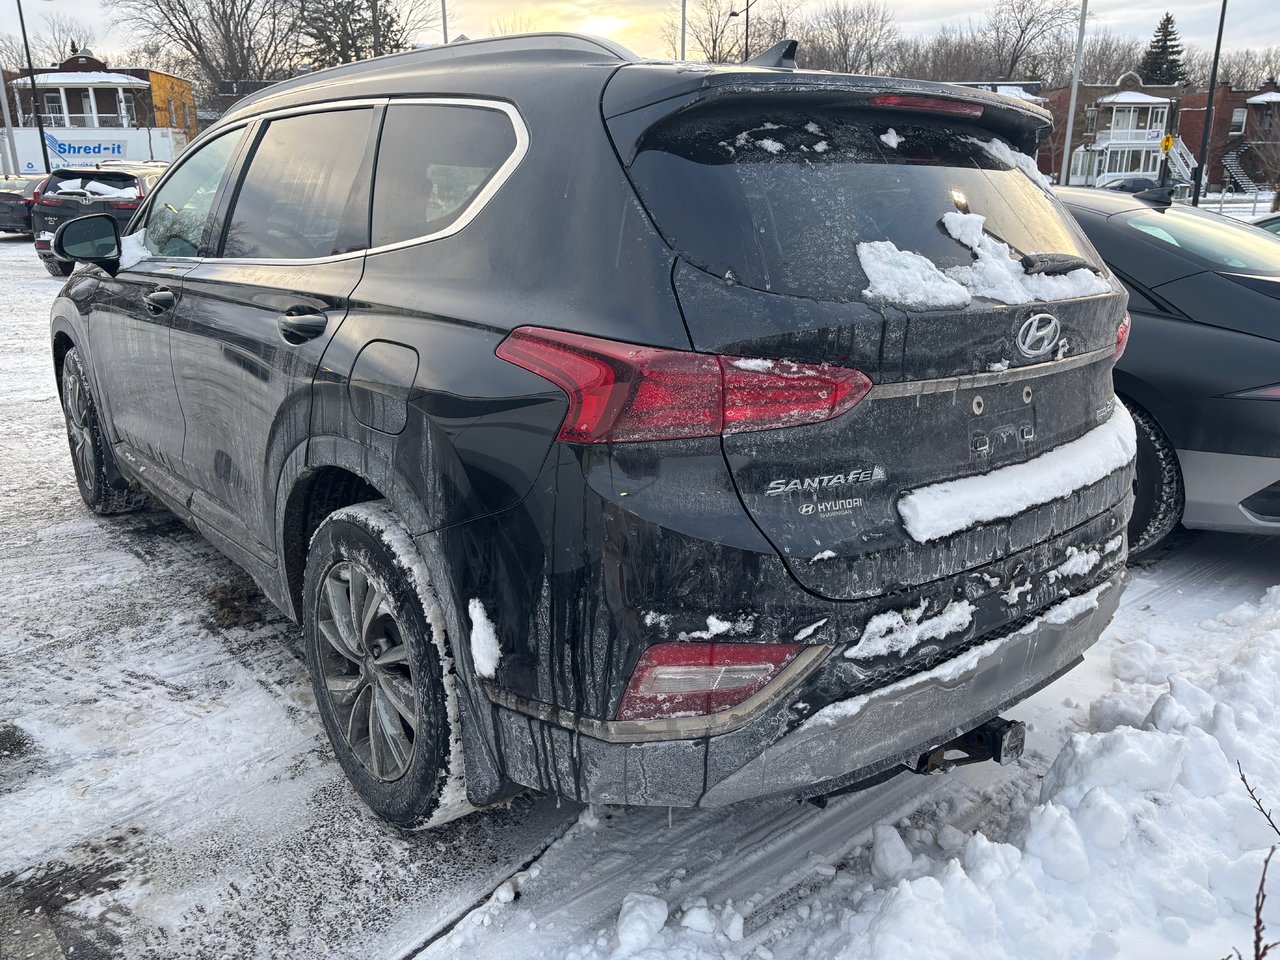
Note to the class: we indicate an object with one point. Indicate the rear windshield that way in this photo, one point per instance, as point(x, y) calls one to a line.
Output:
point(18, 186)
point(1215, 241)
point(95, 183)
point(779, 199)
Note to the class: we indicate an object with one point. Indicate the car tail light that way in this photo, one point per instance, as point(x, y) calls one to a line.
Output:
point(1122, 335)
point(123, 204)
point(50, 202)
point(1259, 393)
point(906, 101)
point(622, 392)
point(696, 678)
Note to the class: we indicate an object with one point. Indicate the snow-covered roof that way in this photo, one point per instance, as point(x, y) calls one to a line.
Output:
point(1271, 96)
point(1131, 96)
point(86, 78)
point(1012, 90)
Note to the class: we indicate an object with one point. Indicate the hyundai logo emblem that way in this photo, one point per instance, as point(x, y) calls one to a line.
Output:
point(1038, 335)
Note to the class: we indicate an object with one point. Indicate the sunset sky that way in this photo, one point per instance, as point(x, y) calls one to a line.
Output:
point(636, 23)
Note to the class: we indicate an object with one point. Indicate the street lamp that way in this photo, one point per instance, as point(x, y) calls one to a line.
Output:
point(746, 19)
point(1203, 159)
point(35, 97)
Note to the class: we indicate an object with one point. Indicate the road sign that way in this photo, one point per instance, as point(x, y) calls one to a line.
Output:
point(1166, 144)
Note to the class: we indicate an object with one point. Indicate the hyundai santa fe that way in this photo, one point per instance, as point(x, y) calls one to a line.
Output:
point(636, 432)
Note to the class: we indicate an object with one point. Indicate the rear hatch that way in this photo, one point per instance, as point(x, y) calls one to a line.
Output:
point(74, 193)
point(15, 201)
point(888, 235)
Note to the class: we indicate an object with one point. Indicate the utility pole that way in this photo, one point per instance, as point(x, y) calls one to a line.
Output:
point(1063, 180)
point(684, 24)
point(444, 19)
point(35, 96)
point(1208, 113)
point(10, 136)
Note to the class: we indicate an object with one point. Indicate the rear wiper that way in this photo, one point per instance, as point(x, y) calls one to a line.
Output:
point(1054, 263)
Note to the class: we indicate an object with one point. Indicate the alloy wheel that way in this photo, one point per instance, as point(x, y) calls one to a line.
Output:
point(367, 670)
point(75, 402)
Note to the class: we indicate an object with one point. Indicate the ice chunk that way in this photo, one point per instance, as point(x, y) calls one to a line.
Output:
point(639, 920)
point(486, 654)
point(890, 858)
point(891, 139)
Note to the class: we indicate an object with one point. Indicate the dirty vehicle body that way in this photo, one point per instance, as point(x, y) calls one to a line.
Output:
point(1200, 376)
point(116, 188)
point(611, 373)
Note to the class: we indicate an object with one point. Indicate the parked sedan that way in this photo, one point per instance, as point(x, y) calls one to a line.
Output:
point(1271, 224)
point(1201, 370)
point(16, 196)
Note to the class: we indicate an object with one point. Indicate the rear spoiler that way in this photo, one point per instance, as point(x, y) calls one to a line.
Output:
point(639, 95)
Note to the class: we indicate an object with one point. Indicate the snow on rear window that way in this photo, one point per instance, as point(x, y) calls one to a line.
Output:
point(782, 199)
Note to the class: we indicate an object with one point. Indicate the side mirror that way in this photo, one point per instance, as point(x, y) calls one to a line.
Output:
point(91, 239)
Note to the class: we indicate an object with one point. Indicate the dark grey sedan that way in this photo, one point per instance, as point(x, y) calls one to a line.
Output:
point(1201, 374)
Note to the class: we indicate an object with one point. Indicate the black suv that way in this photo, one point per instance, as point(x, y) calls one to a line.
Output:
point(641, 433)
point(113, 187)
point(17, 194)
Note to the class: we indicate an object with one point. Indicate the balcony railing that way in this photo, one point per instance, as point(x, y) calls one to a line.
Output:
point(1123, 135)
point(80, 120)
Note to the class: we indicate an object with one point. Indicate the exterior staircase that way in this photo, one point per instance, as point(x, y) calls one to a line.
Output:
point(1182, 162)
point(1231, 163)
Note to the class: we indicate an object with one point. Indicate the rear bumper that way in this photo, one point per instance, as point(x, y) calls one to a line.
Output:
point(786, 750)
point(1217, 484)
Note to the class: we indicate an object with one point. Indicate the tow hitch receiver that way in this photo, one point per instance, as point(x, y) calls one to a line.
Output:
point(998, 739)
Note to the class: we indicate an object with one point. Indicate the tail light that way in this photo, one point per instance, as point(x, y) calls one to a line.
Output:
point(695, 678)
point(1122, 335)
point(622, 392)
point(123, 204)
point(906, 101)
point(50, 202)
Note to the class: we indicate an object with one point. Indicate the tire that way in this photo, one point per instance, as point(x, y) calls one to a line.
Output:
point(58, 268)
point(88, 449)
point(383, 682)
point(1158, 494)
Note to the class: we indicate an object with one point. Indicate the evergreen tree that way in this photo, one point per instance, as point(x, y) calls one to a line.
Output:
point(1162, 63)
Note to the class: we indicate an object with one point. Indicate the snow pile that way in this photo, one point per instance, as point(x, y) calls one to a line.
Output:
point(892, 632)
point(1013, 158)
point(906, 278)
point(486, 654)
point(998, 276)
point(939, 510)
point(639, 921)
point(892, 139)
point(132, 250)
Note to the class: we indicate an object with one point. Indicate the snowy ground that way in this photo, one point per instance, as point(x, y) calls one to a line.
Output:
point(165, 788)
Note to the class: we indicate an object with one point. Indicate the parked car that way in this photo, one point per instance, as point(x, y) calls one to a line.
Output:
point(16, 196)
point(113, 187)
point(1131, 185)
point(576, 406)
point(1271, 224)
point(1201, 372)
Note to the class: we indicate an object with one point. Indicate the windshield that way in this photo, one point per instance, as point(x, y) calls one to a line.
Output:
point(779, 199)
point(1215, 241)
point(94, 183)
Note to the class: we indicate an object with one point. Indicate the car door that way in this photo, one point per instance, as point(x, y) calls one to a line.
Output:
point(256, 315)
point(132, 316)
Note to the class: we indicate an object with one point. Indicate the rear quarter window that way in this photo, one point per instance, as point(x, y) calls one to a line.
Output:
point(1213, 241)
point(779, 199)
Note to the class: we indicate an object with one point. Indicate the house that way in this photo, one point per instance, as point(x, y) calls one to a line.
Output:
point(92, 112)
point(1117, 132)
point(1244, 145)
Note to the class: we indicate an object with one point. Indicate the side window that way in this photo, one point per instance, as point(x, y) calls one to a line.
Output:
point(180, 208)
point(304, 194)
point(433, 162)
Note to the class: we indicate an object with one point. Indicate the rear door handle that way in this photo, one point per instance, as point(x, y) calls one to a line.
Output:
point(159, 300)
point(300, 324)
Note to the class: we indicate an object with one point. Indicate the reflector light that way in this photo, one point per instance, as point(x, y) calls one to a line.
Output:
point(623, 392)
point(697, 678)
point(1122, 335)
point(906, 101)
point(1259, 393)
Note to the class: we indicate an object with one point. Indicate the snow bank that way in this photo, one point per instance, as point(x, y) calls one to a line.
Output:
point(899, 631)
point(486, 654)
point(939, 510)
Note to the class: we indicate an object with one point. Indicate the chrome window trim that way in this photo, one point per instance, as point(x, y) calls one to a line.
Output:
point(675, 728)
point(469, 213)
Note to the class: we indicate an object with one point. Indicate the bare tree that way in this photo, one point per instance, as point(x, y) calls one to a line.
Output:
point(227, 40)
point(1022, 31)
point(712, 30)
point(59, 38)
point(12, 56)
point(852, 36)
point(511, 23)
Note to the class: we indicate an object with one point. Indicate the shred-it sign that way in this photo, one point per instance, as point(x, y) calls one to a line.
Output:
point(84, 151)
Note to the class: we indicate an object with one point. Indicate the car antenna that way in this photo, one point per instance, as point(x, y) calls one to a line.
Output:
point(782, 56)
point(1160, 195)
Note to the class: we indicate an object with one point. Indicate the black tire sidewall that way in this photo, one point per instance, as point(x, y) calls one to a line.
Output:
point(73, 367)
point(1157, 492)
point(411, 800)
